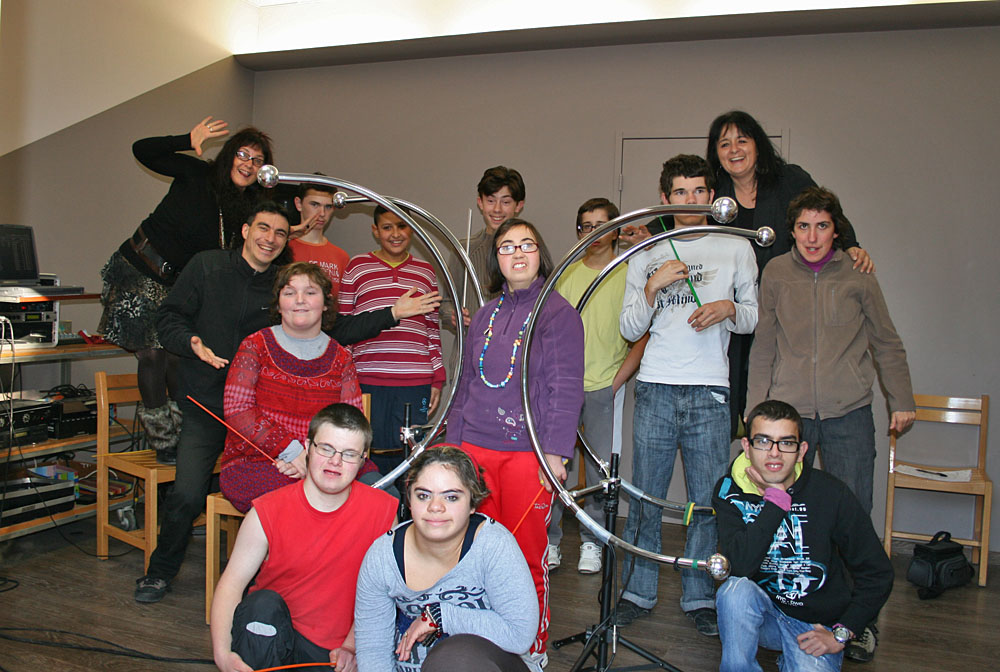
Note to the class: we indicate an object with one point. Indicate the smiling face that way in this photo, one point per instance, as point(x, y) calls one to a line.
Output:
point(264, 239)
point(737, 153)
point(393, 236)
point(301, 304)
point(775, 468)
point(814, 233)
point(244, 172)
point(440, 504)
point(521, 268)
point(498, 207)
point(331, 476)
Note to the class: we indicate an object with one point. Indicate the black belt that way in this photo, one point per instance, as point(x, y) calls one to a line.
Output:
point(144, 249)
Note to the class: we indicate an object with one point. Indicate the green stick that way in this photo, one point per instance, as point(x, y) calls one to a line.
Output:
point(690, 284)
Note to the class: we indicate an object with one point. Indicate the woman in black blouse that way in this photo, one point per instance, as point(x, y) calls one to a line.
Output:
point(204, 209)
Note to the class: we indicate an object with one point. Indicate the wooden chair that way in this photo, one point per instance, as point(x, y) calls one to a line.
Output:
point(951, 410)
point(142, 464)
point(222, 515)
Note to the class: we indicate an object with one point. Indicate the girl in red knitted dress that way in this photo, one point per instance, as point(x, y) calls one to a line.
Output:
point(280, 377)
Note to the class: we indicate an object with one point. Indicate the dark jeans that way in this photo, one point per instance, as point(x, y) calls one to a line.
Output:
point(388, 404)
point(263, 635)
point(201, 443)
point(847, 448)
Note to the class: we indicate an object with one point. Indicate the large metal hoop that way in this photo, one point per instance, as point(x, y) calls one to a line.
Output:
point(269, 176)
point(723, 209)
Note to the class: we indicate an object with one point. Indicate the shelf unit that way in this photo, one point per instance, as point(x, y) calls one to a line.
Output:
point(65, 355)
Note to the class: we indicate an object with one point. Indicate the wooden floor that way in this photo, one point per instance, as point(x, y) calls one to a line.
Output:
point(61, 588)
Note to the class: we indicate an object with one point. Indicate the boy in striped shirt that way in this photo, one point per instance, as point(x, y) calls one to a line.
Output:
point(402, 364)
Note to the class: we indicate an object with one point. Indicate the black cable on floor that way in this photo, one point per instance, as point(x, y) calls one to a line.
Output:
point(118, 650)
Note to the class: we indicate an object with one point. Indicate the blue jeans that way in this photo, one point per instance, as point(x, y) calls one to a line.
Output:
point(847, 446)
point(695, 417)
point(748, 619)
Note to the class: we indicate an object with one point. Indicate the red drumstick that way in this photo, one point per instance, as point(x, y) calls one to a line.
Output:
point(230, 427)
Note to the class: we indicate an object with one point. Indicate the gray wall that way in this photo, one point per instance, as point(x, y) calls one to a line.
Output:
point(85, 193)
point(901, 125)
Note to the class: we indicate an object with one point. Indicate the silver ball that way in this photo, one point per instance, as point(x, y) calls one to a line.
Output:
point(718, 567)
point(267, 176)
point(724, 210)
point(765, 236)
point(339, 200)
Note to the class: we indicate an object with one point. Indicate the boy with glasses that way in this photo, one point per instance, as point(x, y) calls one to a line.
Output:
point(608, 364)
point(304, 543)
point(791, 534)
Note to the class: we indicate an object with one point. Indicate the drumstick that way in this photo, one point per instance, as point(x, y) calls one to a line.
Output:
point(690, 284)
point(528, 510)
point(229, 427)
point(468, 239)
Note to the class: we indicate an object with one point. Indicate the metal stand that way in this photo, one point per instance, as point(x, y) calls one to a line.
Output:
point(597, 638)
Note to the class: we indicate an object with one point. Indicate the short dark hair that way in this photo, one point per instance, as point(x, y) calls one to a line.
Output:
point(498, 177)
point(222, 165)
point(820, 199)
point(685, 165)
point(769, 162)
point(317, 276)
point(599, 203)
point(266, 206)
point(315, 186)
point(382, 210)
point(496, 278)
point(772, 409)
point(454, 458)
point(342, 416)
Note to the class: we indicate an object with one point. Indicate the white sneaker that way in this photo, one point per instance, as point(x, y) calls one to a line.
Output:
point(553, 558)
point(590, 558)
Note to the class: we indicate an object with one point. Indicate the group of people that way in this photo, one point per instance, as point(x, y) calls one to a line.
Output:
point(282, 332)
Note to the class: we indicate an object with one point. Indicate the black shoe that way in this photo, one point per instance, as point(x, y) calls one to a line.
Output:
point(166, 455)
point(861, 649)
point(149, 590)
point(705, 621)
point(628, 612)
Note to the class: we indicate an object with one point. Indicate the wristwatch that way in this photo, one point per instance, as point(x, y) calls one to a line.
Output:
point(841, 633)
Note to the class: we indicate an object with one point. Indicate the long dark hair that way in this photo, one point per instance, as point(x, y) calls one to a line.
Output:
point(769, 162)
point(235, 204)
point(496, 278)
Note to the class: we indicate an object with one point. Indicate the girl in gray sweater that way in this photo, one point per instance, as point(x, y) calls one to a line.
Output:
point(449, 589)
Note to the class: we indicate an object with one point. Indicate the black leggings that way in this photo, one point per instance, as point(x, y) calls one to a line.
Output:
point(157, 371)
point(471, 652)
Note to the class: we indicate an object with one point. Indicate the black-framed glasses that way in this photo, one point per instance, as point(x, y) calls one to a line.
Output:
point(588, 228)
point(525, 247)
point(328, 451)
point(244, 155)
point(761, 442)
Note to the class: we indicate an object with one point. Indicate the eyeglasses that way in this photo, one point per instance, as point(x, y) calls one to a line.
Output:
point(328, 451)
point(244, 155)
point(587, 228)
point(761, 442)
point(525, 247)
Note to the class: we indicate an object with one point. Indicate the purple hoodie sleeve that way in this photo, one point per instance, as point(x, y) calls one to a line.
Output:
point(561, 377)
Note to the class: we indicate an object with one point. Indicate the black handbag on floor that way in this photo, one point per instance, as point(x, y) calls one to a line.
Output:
point(937, 565)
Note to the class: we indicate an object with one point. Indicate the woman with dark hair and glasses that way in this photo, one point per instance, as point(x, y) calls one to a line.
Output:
point(488, 419)
point(449, 589)
point(279, 379)
point(205, 208)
